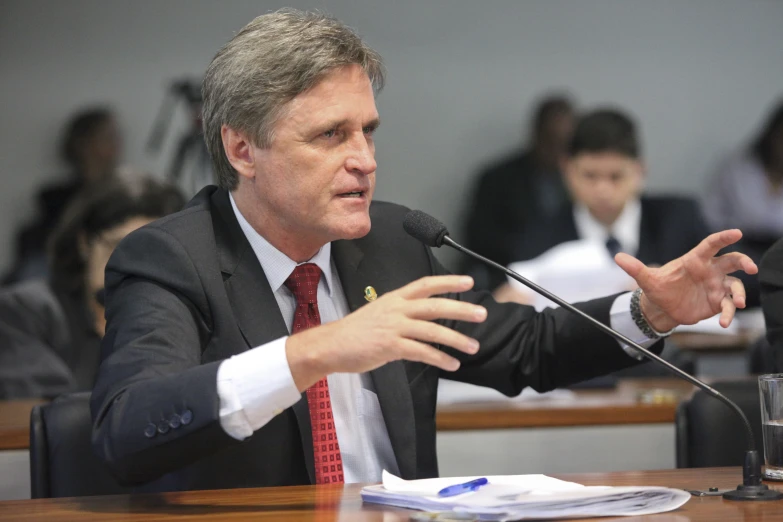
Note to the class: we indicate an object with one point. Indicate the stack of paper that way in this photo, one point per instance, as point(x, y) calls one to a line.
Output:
point(520, 497)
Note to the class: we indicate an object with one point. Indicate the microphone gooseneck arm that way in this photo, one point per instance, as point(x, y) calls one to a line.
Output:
point(433, 233)
point(609, 331)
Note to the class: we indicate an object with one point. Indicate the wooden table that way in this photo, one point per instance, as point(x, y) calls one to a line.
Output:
point(15, 423)
point(712, 342)
point(619, 406)
point(623, 405)
point(335, 503)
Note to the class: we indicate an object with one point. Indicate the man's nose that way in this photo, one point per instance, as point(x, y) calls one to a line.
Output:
point(361, 158)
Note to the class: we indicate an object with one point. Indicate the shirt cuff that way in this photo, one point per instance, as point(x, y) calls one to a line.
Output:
point(620, 319)
point(254, 387)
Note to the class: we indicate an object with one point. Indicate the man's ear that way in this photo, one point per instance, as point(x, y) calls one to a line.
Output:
point(642, 169)
point(239, 151)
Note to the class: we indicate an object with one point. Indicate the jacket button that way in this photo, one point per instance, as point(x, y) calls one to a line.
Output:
point(150, 430)
point(186, 417)
point(163, 428)
point(175, 421)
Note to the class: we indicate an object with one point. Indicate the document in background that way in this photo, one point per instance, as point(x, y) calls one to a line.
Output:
point(453, 392)
point(524, 497)
point(582, 270)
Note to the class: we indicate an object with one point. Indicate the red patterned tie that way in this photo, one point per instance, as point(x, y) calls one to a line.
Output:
point(303, 283)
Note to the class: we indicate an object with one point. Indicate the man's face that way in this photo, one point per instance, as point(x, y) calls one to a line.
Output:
point(315, 181)
point(604, 182)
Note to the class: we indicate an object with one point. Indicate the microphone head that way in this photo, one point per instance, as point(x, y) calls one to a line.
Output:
point(425, 228)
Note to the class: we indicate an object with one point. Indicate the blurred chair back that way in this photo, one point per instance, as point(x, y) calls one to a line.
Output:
point(62, 463)
point(762, 358)
point(709, 433)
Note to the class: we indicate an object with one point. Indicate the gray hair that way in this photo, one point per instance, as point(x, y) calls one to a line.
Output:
point(270, 61)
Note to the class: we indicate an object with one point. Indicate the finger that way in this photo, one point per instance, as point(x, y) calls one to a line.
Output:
point(440, 308)
point(734, 261)
point(632, 266)
point(727, 311)
point(434, 333)
point(434, 285)
point(736, 291)
point(416, 351)
point(713, 243)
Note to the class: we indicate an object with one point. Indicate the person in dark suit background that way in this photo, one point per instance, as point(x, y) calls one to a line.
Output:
point(519, 191)
point(50, 329)
point(91, 147)
point(605, 175)
point(269, 335)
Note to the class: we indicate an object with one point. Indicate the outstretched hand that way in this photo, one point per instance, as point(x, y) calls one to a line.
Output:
point(693, 287)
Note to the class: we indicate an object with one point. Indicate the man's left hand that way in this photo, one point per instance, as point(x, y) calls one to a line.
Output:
point(693, 287)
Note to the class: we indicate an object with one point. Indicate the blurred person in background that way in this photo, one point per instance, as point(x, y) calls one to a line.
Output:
point(518, 191)
point(50, 329)
point(747, 193)
point(605, 176)
point(91, 147)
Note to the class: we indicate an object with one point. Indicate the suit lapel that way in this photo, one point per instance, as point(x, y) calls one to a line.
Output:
point(390, 380)
point(252, 301)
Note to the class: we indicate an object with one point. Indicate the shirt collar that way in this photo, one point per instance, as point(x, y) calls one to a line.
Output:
point(276, 265)
point(625, 229)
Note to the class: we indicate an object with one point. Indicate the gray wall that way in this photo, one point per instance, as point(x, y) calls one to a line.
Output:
point(699, 74)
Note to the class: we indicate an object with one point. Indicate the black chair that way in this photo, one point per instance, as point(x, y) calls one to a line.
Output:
point(762, 358)
point(709, 433)
point(62, 463)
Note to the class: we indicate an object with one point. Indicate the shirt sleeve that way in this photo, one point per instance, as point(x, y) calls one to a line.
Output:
point(253, 387)
point(620, 319)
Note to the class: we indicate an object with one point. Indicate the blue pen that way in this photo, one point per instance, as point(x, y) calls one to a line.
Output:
point(459, 489)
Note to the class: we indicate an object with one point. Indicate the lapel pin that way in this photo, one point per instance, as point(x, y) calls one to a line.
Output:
point(370, 294)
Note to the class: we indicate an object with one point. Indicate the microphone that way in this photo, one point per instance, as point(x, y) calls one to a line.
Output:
point(433, 233)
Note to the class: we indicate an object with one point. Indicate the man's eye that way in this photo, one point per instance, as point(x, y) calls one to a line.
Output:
point(370, 129)
point(330, 133)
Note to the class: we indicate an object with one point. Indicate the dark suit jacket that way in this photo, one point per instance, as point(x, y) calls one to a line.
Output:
point(187, 291)
point(508, 198)
point(771, 283)
point(669, 228)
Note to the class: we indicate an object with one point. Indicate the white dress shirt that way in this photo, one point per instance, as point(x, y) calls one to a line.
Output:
point(257, 385)
point(625, 229)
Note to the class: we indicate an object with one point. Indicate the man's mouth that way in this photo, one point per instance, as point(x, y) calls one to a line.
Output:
point(352, 194)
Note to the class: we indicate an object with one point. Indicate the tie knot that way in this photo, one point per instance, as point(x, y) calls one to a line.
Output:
point(303, 283)
point(613, 246)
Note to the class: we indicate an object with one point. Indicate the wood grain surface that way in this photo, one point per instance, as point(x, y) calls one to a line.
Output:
point(15, 423)
point(634, 401)
point(343, 504)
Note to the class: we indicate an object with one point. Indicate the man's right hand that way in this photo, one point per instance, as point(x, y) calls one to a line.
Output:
point(396, 326)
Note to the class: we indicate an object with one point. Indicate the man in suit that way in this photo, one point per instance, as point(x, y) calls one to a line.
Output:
point(605, 175)
point(203, 387)
point(522, 190)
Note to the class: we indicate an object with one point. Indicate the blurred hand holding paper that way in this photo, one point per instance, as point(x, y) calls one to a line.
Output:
point(575, 270)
